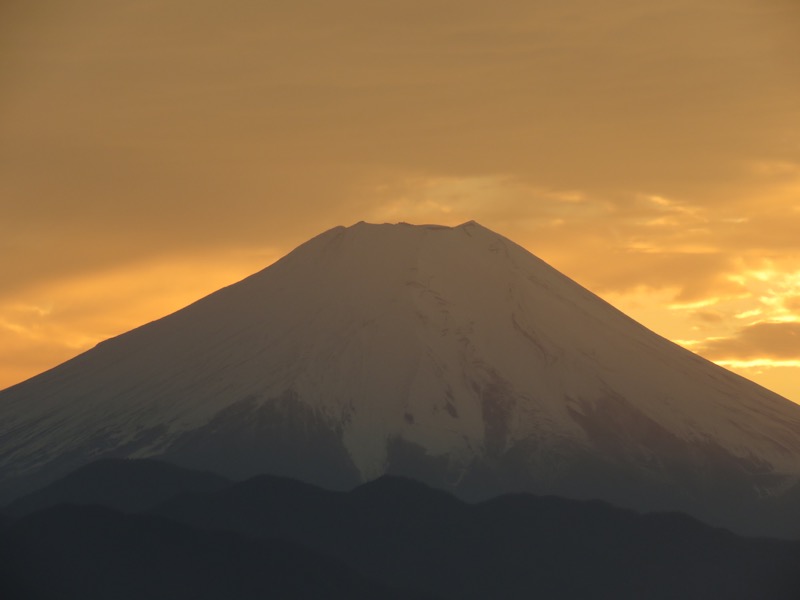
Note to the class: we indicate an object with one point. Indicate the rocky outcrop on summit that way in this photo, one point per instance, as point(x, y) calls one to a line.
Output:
point(450, 355)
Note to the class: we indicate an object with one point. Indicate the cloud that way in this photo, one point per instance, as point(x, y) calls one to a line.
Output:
point(180, 122)
point(762, 341)
point(709, 316)
point(792, 303)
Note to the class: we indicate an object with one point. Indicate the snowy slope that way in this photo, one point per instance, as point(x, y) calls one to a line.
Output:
point(449, 354)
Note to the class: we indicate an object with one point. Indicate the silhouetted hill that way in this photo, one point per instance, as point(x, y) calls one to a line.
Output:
point(88, 553)
point(126, 485)
point(394, 531)
point(518, 546)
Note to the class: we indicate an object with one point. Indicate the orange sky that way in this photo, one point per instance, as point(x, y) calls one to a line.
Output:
point(153, 151)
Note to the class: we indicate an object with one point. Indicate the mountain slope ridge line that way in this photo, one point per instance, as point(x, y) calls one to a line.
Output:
point(449, 354)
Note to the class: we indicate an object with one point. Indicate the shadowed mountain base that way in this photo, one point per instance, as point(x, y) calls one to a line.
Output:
point(283, 538)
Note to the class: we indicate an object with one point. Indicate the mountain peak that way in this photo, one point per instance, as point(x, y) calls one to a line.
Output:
point(431, 226)
point(418, 229)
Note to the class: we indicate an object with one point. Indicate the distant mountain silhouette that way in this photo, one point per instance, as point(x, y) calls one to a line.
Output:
point(287, 539)
point(95, 553)
point(519, 546)
point(126, 485)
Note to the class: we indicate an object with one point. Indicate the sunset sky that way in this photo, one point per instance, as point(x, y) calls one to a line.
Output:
point(152, 151)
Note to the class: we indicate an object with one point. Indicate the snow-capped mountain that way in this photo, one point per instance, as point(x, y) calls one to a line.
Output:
point(451, 355)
